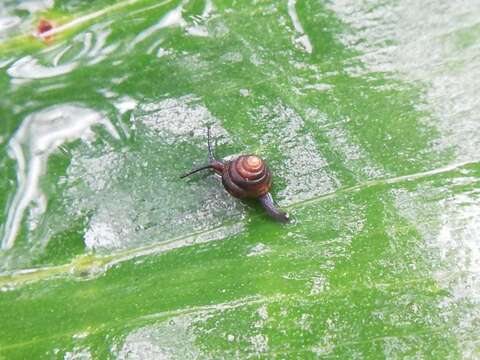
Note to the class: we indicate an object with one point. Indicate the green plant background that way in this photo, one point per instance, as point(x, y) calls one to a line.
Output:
point(367, 114)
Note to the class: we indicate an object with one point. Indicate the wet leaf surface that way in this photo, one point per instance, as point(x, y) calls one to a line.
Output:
point(367, 115)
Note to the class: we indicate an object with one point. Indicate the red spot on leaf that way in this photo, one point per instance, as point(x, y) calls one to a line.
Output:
point(43, 27)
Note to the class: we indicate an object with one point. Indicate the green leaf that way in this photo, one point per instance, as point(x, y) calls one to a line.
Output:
point(366, 114)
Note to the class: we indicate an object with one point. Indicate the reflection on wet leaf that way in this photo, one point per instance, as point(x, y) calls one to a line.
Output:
point(39, 135)
point(367, 115)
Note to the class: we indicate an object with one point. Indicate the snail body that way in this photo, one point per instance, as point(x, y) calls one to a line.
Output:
point(246, 176)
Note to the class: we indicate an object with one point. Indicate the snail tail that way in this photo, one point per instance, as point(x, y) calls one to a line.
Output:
point(269, 205)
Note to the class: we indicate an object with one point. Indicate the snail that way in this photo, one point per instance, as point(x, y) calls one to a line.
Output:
point(246, 176)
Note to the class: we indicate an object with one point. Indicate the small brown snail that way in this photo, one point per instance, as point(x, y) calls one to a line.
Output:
point(246, 176)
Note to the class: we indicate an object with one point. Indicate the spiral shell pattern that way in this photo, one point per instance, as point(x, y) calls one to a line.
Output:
point(247, 177)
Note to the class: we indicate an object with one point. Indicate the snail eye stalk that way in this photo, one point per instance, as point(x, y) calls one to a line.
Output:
point(211, 156)
point(196, 170)
point(213, 163)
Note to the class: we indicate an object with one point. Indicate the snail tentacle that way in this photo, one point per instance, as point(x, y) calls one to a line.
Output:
point(209, 166)
point(211, 155)
point(216, 165)
point(269, 205)
point(213, 163)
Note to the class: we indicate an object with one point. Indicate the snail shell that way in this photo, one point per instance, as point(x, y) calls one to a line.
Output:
point(247, 177)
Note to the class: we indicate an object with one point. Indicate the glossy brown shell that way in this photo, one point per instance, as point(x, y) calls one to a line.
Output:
point(247, 177)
